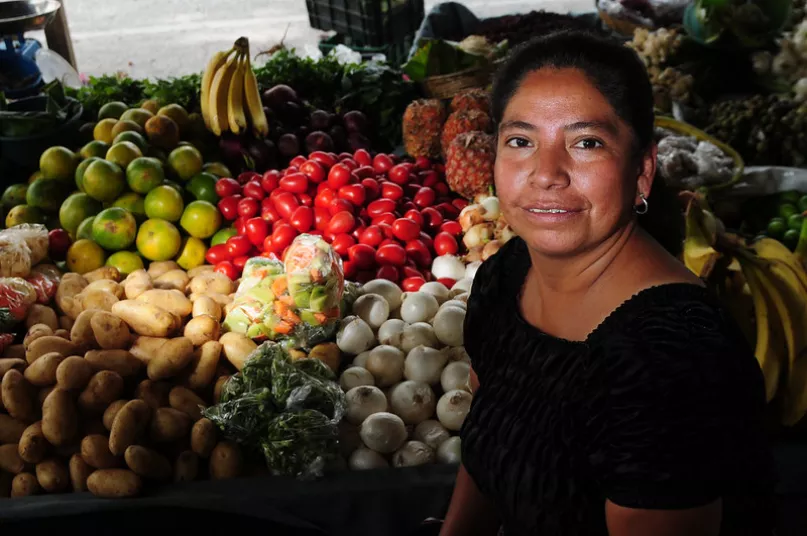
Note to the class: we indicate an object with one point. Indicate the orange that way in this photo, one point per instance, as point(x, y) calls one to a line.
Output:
point(158, 240)
point(165, 203)
point(201, 219)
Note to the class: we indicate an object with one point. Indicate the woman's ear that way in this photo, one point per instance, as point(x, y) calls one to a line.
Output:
point(647, 171)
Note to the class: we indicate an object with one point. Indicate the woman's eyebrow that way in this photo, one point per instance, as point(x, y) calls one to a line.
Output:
point(607, 126)
point(520, 125)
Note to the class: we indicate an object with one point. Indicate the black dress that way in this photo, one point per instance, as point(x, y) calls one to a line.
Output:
point(661, 407)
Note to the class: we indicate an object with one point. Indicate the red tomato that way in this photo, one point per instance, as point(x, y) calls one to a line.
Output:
point(240, 226)
point(439, 168)
point(387, 218)
point(321, 218)
point(306, 200)
point(302, 219)
point(372, 236)
point(447, 282)
point(354, 193)
point(322, 158)
point(257, 230)
point(400, 173)
point(254, 190)
point(460, 203)
point(227, 268)
point(429, 178)
point(393, 254)
point(338, 176)
point(415, 216)
point(58, 244)
point(426, 239)
point(432, 218)
point(418, 252)
point(228, 207)
point(216, 254)
point(342, 222)
point(247, 176)
point(349, 269)
point(268, 246)
point(441, 188)
point(314, 171)
point(286, 204)
point(344, 156)
point(411, 271)
point(362, 255)
point(405, 229)
point(240, 262)
point(448, 210)
point(388, 272)
point(423, 163)
point(411, 189)
point(227, 187)
point(283, 236)
point(407, 205)
point(382, 163)
point(445, 244)
point(238, 245)
point(328, 236)
point(451, 227)
point(425, 197)
point(297, 161)
point(296, 183)
point(412, 284)
point(268, 211)
point(386, 228)
point(364, 172)
point(248, 207)
point(350, 163)
point(342, 243)
point(380, 206)
point(340, 205)
point(269, 180)
point(363, 158)
point(371, 189)
point(325, 197)
point(390, 190)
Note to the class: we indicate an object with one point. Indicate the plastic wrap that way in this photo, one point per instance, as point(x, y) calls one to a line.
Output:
point(16, 298)
point(21, 248)
point(45, 279)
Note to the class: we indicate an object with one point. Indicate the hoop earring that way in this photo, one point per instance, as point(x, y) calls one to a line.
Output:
point(644, 207)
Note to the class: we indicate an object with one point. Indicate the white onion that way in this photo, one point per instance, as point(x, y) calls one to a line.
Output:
point(456, 375)
point(364, 459)
point(412, 401)
point(395, 314)
point(354, 336)
point(355, 377)
point(389, 329)
point(454, 303)
point(361, 359)
point(412, 454)
point(448, 325)
point(373, 309)
point(463, 285)
point(414, 335)
point(491, 208)
point(386, 363)
point(383, 432)
point(418, 307)
point(349, 439)
point(436, 289)
point(432, 433)
point(424, 364)
point(364, 401)
point(452, 408)
point(462, 297)
point(457, 353)
point(470, 270)
point(386, 289)
point(450, 451)
point(448, 266)
point(477, 236)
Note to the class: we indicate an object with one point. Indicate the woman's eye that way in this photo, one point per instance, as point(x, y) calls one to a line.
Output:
point(517, 143)
point(589, 143)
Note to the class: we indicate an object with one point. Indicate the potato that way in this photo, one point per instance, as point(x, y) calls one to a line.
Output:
point(42, 372)
point(63, 333)
point(59, 418)
point(147, 348)
point(211, 282)
point(65, 322)
point(14, 351)
point(94, 426)
point(48, 344)
point(158, 268)
point(114, 483)
point(35, 332)
point(220, 381)
point(10, 460)
point(199, 270)
point(111, 332)
point(222, 299)
point(18, 396)
point(9, 363)
point(103, 273)
point(144, 318)
point(169, 425)
point(73, 373)
point(119, 361)
point(52, 475)
point(70, 285)
point(103, 388)
point(155, 394)
point(205, 305)
point(96, 299)
point(173, 357)
point(95, 452)
point(173, 279)
point(80, 471)
point(82, 334)
point(187, 401)
point(203, 437)
point(237, 348)
point(186, 467)
point(42, 314)
point(203, 364)
point(107, 285)
point(24, 485)
point(11, 429)
point(43, 393)
point(129, 424)
point(202, 329)
point(136, 284)
point(148, 463)
point(33, 446)
point(173, 301)
point(226, 461)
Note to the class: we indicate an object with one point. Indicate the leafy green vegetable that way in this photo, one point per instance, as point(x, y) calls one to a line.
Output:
point(438, 57)
point(107, 88)
point(183, 90)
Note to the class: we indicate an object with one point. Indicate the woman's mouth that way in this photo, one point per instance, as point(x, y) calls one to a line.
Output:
point(551, 214)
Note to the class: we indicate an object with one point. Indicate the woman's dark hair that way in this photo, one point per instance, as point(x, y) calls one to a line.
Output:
point(620, 76)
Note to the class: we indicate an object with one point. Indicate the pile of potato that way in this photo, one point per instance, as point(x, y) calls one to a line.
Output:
point(106, 392)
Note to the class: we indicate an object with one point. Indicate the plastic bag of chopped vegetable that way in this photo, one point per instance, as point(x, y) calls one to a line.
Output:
point(252, 313)
point(16, 298)
point(45, 279)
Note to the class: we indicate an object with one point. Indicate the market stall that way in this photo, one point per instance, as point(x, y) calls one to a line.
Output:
point(239, 295)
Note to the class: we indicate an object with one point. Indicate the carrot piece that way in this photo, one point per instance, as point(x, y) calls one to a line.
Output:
point(290, 316)
point(321, 317)
point(286, 299)
point(333, 313)
point(280, 285)
point(282, 327)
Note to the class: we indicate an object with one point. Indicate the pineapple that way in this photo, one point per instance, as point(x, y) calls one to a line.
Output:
point(462, 122)
point(469, 163)
point(422, 124)
point(474, 99)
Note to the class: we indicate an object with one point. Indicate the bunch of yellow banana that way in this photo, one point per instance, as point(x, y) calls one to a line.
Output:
point(230, 97)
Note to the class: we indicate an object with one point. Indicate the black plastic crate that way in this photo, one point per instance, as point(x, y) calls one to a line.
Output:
point(369, 23)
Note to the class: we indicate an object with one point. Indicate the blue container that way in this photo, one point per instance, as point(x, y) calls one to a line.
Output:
point(20, 75)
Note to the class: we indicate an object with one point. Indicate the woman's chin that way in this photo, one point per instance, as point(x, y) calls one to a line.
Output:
point(551, 244)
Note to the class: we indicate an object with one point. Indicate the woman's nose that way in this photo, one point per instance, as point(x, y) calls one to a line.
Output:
point(550, 169)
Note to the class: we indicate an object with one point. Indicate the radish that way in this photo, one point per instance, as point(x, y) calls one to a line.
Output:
point(448, 267)
point(390, 329)
point(436, 289)
point(361, 359)
point(418, 307)
point(419, 334)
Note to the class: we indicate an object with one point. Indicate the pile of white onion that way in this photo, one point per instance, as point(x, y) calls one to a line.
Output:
point(408, 386)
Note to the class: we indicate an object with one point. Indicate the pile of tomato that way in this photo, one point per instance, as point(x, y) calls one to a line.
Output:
point(386, 219)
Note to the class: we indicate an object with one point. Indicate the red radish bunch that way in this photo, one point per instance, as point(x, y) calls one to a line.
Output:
point(385, 219)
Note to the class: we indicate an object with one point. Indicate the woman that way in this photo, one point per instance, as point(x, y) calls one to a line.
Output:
point(612, 394)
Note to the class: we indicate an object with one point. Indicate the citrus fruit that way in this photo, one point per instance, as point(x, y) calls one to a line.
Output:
point(158, 240)
point(791, 239)
point(134, 137)
point(85, 228)
point(175, 185)
point(192, 253)
point(125, 261)
point(114, 229)
point(14, 195)
point(186, 162)
point(162, 132)
point(125, 126)
point(104, 181)
point(201, 219)
point(159, 154)
point(132, 202)
point(24, 214)
point(81, 169)
point(138, 115)
point(144, 174)
point(177, 114)
point(112, 110)
point(123, 153)
point(165, 203)
point(84, 256)
point(58, 163)
point(47, 194)
point(94, 148)
point(222, 235)
point(76, 209)
point(203, 187)
point(217, 168)
point(103, 130)
point(152, 105)
point(34, 176)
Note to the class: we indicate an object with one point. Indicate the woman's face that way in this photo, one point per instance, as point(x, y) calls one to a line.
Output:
point(565, 173)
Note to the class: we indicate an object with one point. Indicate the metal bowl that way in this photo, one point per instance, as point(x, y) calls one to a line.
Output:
point(20, 16)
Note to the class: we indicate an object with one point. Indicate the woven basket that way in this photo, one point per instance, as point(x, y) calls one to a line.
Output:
point(621, 26)
point(446, 86)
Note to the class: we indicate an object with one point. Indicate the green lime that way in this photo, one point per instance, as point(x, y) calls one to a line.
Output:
point(59, 163)
point(794, 222)
point(203, 187)
point(776, 228)
point(133, 137)
point(85, 228)
point(164, 203)
point(222, 235)
point(47, 194)
point(14, 195)
point(112, 110)
point(125, 261)
point(82, 167)
point(144, 174)
point(791, 239)
point(786, 210)
point(791, 197)
point(803, 203)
